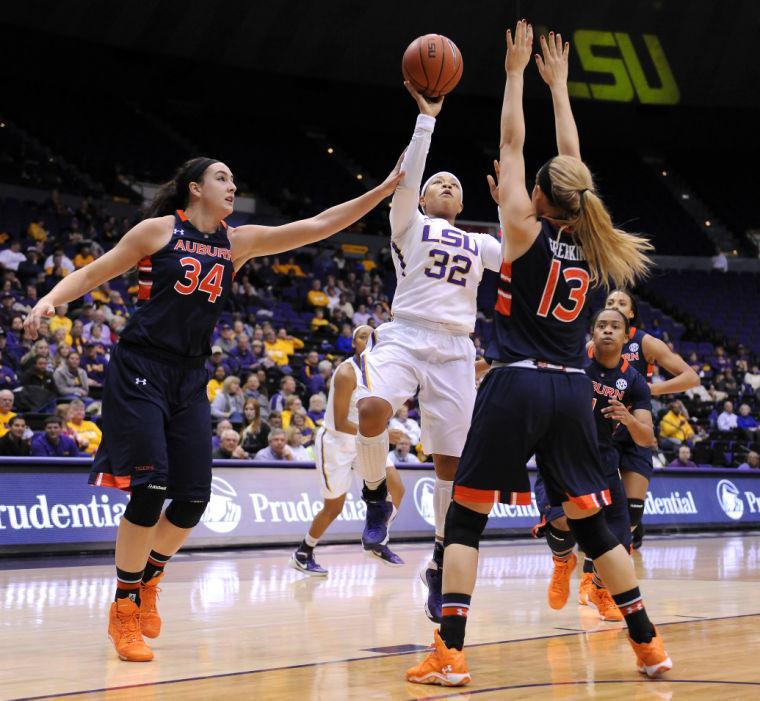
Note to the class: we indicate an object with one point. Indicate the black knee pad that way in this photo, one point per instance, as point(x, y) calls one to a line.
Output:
point(593, 535)
point(635, 511)
point(463, 526)
point(145, 504)
point(185, 514)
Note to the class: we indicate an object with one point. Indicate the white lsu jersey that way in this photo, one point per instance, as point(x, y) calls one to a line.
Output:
point(353, 412)
point(438, 270)
point(438, 266)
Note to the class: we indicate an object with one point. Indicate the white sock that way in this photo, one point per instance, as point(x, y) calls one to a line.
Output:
point(371, 458)
point(441, 502)
point(311, 542)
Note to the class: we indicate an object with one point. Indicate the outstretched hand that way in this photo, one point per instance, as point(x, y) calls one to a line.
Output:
point(553, 65)
point(389, 185)
point(42, 309)
point(432, 109)
point(493, 182)
point(519, 47)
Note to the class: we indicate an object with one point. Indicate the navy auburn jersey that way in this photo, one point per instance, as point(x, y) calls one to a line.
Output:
point(633, 352)
point(623, 383)
point(541, 307)
point(182, 290)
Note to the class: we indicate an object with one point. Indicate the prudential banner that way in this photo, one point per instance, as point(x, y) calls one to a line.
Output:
point(270, 505)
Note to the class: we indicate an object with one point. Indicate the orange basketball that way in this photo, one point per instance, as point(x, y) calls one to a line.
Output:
point(432, 64)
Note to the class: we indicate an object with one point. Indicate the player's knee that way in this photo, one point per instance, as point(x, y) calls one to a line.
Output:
point(593, 535)
point(445, 467)
point(635, 511)
point(463, 526)
point(333, 507)
point(374, 414)
point(561, 523)
point(186, 514)
point(145, 505)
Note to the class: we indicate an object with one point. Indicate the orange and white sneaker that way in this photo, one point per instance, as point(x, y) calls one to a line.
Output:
point(442, 666)
point(150, 621)
point(602, 601)
point(124, 631)
point(587, 584)
point(651, 658)
point(559, 586)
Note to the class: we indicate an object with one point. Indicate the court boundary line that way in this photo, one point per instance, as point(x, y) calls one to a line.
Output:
point(225, 675)
point(538, 685)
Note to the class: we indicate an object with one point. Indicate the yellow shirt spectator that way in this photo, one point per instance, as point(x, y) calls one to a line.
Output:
point(5, 417)
point(287, 415)
point(80, 261)
point(285, 268)
point(279, 350)
point(317, 298)
point(37, 231)
point(61, 321)
point(89, 431)
point(213, 388)
point(675, 426)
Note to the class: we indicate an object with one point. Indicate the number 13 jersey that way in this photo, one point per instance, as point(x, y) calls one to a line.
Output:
point(182, 291)
point(438, 270)
point(541, 308)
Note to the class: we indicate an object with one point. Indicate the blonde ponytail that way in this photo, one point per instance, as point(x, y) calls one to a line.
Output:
point(613, 255)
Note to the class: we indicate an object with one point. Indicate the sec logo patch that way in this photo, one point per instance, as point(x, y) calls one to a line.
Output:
point(621, 384)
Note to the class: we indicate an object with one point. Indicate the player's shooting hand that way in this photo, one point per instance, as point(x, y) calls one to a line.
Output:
point(43, 308)
point(493, 182)
point(432, 109)
point(519, 47)
point(617, 411)
point(553, 64)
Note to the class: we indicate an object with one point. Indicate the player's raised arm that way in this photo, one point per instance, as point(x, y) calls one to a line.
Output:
point(406, 199)
point(251, 240)
point(143, 240)
point(553, 69)
point(519, 224)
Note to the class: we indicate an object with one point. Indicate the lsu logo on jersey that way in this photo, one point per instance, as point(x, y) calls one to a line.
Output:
point(451, 237)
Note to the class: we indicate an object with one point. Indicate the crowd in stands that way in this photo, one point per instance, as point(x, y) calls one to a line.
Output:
point(287, 327)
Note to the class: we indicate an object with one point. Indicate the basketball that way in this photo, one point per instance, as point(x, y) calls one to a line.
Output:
point(433, 65)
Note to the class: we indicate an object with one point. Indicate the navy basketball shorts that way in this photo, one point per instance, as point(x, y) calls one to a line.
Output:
point(522, 411)
point(634, 458)
point(156, 427)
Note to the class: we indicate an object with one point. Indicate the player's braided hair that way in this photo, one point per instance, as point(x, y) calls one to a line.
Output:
point(613, 255)
point(174, 193)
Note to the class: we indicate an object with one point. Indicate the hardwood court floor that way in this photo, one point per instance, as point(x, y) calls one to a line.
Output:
point(243, 625)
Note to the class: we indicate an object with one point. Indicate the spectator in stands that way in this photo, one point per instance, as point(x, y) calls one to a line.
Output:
point(293, 405)
point(221, 427)
point(36, 230)
point(747, 423)
point(345, 341)
point(7, 312)
point(295, 441)
point(229, 448)
point(310, 372)
point(117, 305)
point(87, 433)
point(252, 390)
point(720, 361)
point(402, 452)
point(6, 410)
point(241, 355)
point(287, 388)
point(277, 349)
point(278, 449)
point(275, 419)
point(753, 461)
point(38, 375)
point(729, 382)
point(717, 388)
point(255, 436)
point(90, 329)
point(289, 268)
point(361, 316)
point(70, 379)
point(58, 265)
point(402, 422)
point(333, 295)
point(95, 364)
point(40, 349)
point(684, 458)
point(214, 385)
point(752, 378)
point(29, 270)
point(316, 298)
point(77, 337)
point(226, 339)
point(305, 425)
point(727, 421)
point(52, 442)
point(8, 377)
point(320, 325)
point(316, 410)
point(13, 443)
point(11, 257)
point(675, 428)
point(229, 401)
point(262, 358)
point(84, 255)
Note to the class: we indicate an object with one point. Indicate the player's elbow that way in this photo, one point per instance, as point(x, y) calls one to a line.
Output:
point(692, 378)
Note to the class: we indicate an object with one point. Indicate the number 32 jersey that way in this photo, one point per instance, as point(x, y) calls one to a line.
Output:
point(182, 291)
point(438, 270)
point(541, 307)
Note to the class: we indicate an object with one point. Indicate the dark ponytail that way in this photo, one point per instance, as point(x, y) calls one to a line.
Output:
point(174, 193)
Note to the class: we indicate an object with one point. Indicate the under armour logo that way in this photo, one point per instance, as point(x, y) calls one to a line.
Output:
point(132, 597)
point(447, 668)
point(461, 612)
point(179, 232)
point(140, 381)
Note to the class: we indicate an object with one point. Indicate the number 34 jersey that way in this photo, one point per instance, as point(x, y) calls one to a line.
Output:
point(182, 291)
point(542, 310)
point(438, 270)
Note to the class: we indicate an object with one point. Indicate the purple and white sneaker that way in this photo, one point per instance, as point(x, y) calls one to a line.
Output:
point(432, 578)
point(376, 526)
point(307, 564)
point(386, 556)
